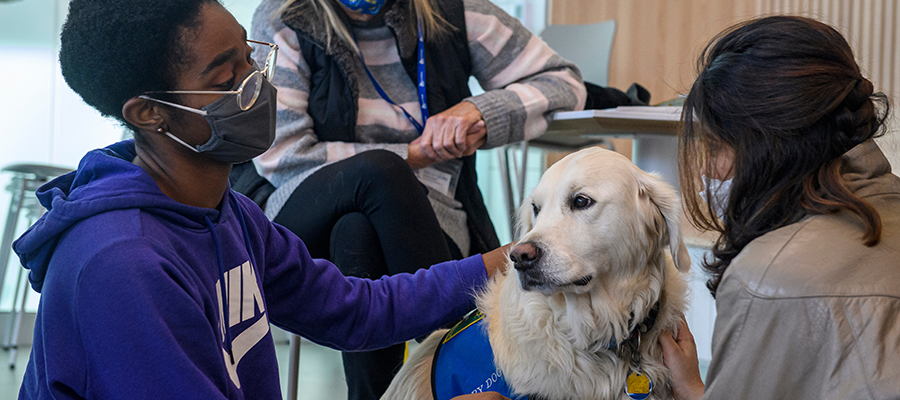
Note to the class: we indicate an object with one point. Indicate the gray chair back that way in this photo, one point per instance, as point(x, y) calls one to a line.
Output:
point(588, 46)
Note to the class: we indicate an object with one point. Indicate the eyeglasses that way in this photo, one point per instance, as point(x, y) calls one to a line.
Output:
point(246, 94)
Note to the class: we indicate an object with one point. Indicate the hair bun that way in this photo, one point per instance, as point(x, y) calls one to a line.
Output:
point(859, 95)
point(856, 114)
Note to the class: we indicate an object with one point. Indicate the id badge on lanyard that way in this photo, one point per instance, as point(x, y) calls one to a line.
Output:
point(420, 86)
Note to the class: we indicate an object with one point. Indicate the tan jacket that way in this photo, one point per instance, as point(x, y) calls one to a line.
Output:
point(808, 311)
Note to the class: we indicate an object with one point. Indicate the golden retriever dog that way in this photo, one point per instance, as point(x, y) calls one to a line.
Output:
point(597, 273)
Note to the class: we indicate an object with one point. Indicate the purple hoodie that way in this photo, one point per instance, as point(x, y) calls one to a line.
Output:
point(131, 306)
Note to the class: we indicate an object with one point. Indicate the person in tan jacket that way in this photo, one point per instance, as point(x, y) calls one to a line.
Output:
point(806, 270)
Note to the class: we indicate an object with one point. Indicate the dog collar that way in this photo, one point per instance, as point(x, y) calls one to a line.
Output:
point(638, 385)
point(642, 327)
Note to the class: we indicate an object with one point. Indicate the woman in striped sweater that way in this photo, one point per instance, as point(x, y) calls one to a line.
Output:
point(373, 164)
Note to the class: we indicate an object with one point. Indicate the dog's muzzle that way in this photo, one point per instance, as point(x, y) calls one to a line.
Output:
point(526, 258)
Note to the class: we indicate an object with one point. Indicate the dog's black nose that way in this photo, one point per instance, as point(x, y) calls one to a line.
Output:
point(525, 255)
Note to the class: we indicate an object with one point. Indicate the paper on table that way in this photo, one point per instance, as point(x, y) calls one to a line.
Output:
point(662, 113)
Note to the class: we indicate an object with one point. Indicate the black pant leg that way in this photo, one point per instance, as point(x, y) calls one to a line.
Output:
point(380, 185)
point(370, 373)
point(355, 249)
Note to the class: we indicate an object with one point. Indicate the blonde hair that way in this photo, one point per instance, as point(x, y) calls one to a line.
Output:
point(434, 25)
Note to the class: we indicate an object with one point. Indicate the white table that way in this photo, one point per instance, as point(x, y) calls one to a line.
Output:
point(653, 130)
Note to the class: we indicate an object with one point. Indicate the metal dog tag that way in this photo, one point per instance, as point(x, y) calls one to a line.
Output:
point(638, 386)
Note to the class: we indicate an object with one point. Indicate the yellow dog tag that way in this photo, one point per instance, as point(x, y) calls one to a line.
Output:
point(638, 386)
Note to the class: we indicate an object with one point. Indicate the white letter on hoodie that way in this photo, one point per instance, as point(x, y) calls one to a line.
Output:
point(245, 302)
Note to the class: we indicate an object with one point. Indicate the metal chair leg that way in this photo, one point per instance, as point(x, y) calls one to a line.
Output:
point(8, 342)
point(293, 367)
point(506, 185)
point(523, 168)
point(17, 324)
point(17, 189)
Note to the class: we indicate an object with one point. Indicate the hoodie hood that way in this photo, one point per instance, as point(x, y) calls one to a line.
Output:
point(106, 180)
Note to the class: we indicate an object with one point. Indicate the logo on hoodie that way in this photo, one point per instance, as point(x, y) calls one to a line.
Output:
point(245, 303)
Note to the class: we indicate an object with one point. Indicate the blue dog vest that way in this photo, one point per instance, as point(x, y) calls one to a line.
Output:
point(464, 363)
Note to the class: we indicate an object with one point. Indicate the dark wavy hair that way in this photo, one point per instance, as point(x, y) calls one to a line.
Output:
point(786, 94)
point(113, 50)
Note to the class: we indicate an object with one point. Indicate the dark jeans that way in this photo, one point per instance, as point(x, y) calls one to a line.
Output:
point(371, 217)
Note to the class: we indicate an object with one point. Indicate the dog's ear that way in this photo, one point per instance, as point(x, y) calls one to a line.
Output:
point(524, 216)
point(665, 199)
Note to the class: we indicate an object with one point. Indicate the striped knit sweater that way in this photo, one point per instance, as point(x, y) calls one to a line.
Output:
point(524, 80)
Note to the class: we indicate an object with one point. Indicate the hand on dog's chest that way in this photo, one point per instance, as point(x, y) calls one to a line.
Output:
point(638, 386)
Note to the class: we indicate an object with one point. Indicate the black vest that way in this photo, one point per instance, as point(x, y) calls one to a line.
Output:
point(334, 94)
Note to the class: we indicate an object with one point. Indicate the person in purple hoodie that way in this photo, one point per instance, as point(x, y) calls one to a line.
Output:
point(159, 281)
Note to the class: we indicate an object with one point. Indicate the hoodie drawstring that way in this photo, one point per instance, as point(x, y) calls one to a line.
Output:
point(237, 210)
point(225, 312)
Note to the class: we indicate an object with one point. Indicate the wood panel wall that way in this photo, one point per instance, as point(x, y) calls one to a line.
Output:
point(869, 25)
point(658, 41)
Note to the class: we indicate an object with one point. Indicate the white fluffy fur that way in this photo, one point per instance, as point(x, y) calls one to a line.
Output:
point(550, 341)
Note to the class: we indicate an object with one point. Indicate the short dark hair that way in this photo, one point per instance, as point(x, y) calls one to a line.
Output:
point(787, 95)
point(113, 50)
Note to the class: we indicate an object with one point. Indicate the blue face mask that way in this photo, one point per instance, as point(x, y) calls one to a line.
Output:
point(371, 7)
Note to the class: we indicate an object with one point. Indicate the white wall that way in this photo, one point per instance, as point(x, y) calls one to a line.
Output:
point(701, 316)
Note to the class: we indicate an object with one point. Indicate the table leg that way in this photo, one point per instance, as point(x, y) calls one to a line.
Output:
point(659, 154)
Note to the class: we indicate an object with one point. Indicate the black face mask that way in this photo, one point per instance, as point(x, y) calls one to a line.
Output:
point(239, 136)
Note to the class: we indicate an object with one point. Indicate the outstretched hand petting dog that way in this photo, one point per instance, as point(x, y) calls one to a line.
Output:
point(680, 357)
point(495, 261)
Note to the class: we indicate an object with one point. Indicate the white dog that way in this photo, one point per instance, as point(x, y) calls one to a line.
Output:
point(592, 282)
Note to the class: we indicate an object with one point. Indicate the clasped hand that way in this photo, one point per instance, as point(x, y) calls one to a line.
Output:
point(456, 132)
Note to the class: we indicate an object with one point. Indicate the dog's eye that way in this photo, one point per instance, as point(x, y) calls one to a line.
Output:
point(581, 202)
point(535, 209)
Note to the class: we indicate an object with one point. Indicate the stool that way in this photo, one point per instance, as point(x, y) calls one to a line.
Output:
point(26, 179)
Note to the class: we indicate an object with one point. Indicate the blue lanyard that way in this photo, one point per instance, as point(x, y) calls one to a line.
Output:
point(423, 102)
